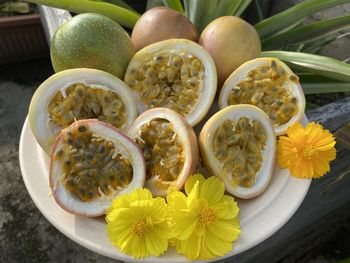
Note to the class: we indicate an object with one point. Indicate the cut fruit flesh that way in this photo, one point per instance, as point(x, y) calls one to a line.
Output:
point(270, 85)
point(177, 74)
point(76, 94)
point(238, 145)
point(84, 102)
point(170, 148)
point(92, 163)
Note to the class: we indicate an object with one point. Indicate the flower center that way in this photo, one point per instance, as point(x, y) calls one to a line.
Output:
point(140, 228)
point(207, 216)
point(310, 151)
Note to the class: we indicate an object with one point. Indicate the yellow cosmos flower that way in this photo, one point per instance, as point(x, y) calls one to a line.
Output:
point(204, 222)
point(306, 152)
point(137, 224)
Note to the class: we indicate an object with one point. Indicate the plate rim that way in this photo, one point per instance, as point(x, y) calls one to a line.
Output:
point(120, 256)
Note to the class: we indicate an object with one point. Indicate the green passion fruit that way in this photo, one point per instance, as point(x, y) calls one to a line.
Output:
point(78, 94)
point(177, 74)
point(162, 23)
point(92, 163)
point(231, 41)
point(91, 41)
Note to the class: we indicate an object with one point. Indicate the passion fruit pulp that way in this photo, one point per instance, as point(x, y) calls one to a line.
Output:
point(238, 145)
point(169, 146)
point(269, 84)
point(91, 163)
point(177, 74)
point(78, 94)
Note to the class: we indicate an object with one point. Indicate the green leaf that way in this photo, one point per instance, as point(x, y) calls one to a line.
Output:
point(119, 14)
point(314, 84)
point(292, 15)
point(226, 7)
point(196, 8)
point(207, 14)
point(174, 4)
point(317, 64)
point(308, 33)
point(121, 3)
point(317, 88)
point(318, 45)
point(187, 7)
point(242, 7)
point(259, 10)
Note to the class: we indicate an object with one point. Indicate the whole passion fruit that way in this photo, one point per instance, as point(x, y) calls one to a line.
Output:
point(91, 41)
point(231, 41)
point(170, 148)
point(77, 94)
point(161, 23)
point(238, 145)
point(177, 74)
point(92, 163)
point(269, 84)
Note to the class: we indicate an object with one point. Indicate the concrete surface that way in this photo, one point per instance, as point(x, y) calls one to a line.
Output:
point(25, 235)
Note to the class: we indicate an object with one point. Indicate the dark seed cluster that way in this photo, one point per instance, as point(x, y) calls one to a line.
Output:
point(167, 79)
point(237, 146)
point(82, 102)
point(162, 149)
point(265, 87)
point(91, 165)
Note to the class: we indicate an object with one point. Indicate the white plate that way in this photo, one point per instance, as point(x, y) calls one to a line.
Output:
point(259, 217)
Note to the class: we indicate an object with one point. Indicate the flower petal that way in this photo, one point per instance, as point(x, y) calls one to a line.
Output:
point(212, 190)
point(224, 230)
point(216, 245)
point(227, 208)
point(190, 247)
point(191, 181)
point(296, 133)
point(155, 243)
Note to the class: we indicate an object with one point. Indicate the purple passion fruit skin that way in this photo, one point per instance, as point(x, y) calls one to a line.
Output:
point(92, 163)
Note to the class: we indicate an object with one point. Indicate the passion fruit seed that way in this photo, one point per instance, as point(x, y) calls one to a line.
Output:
point(83, 102)
point(264, 87)
point(162, 150)
point(168, 79)
point(91, 165)
point(237, 146)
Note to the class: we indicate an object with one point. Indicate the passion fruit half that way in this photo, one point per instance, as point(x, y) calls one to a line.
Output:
point(92, 163)
point(77, 94)
point(170, 148)
point(177, 74)
point(269, 84)
point(238, 145)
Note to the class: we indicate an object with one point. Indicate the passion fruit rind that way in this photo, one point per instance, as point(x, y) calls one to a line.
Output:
point(82, 166)
point(269, 84)
point(178, 140)
point(178, 74)
point(161, 23)
point(257, 122)
point(79, 94)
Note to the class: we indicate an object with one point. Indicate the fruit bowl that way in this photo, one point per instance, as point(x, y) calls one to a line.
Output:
point(259, 217)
